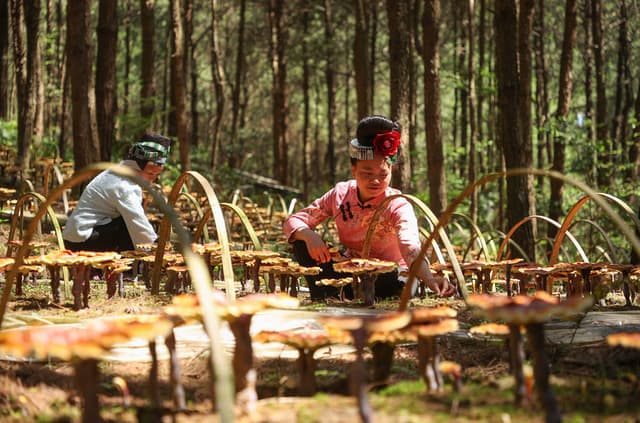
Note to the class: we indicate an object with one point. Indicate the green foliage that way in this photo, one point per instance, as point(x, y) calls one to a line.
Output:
point(8, 132)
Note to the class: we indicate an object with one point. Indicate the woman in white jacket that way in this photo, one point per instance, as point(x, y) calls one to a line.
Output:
point(109, 215)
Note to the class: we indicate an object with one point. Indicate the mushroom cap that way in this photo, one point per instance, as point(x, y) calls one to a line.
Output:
point(338, 283)
point(450, 368)
point(89, 341)
point(6, 263)
point(437, 328)
point(187, 306)
point(359, 266)
point(624, 339)
point(307, 340)
point(432, 314)
point(371, 322)
point(525, 309)
point(399, 336)
point(499, 329)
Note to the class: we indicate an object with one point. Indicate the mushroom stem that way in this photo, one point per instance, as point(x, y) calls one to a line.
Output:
point(110, 278)
point(255, 274)
point(86, 377)
point(246, 393)
point(306, 365)
point(535, 335)
point(358, 377)
point(154, 389)
point(382, 361)
point(368, 285)
point(516, 359)
point(429, 362)
point(174, 363)
point(54, 272)
point(507, 278)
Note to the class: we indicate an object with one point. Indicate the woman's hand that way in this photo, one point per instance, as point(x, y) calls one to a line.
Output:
point(440, 286)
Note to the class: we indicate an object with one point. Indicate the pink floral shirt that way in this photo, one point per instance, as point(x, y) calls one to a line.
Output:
point(396, 237)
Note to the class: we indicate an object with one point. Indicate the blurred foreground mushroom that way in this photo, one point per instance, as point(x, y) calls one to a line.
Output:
point(360, 327)
point(83, 346)
point(532, 312)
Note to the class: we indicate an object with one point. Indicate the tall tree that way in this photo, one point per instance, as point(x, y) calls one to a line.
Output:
point(147, 65)
point(330, 80)
point(279, 90)
point(25, 18)
point(361, 66)
point(106, 84)
point(401, 60)
point(218, 90)
point(239, 76)
point(4, 59)
point(179, 97)
point(605, 159)
point(433, 132)
point(516, 152)
point(306, 115)
point(471, 99)
point(86, 148)
point(542, 90)
point(562, 113)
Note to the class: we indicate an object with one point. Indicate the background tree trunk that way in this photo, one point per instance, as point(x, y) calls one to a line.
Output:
point(400, 55)
point(433, 133)
point(147, 65)
point(561, 115)
point(542, 92)
point(106, 86)
point(179, 102)
point(361, 66)
point(471, 89)
point(330, 80)
point(218, 88)
point(4, 59)
point(86, 147)
point(516, 153)
point(278, 42)
point(240, 73)
point(604, 159)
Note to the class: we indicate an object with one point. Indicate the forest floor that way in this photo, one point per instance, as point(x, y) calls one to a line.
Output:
point(592, 382)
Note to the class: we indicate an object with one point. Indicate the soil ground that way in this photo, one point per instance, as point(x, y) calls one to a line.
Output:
point(592, 383)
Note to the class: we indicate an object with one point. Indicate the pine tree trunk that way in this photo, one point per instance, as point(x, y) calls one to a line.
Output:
point(106, 84)
point(147, 65)
point(218, 91)
point(361, 65)
point(400, 57)
point(433, 133)
point(605, 158)
point(330, 80)
point(516, 153)
point(178, 85)
point(564, 101)
point(278, 43)
point(4, 59)
point(86, 147)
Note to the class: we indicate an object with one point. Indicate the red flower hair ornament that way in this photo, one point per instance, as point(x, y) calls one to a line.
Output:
point(385, 144)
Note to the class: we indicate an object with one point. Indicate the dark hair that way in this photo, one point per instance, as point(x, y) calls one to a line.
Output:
point(370, 126)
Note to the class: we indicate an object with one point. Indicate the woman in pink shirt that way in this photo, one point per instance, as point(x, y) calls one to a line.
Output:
point(352, 204)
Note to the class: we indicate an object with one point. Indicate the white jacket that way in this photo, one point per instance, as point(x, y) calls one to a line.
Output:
point(107, 197)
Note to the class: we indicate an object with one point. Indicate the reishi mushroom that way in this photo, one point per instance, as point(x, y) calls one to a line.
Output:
point(532, 312)
point(360, 327)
